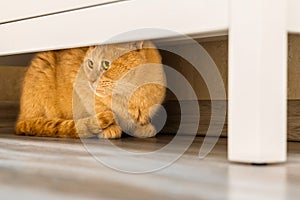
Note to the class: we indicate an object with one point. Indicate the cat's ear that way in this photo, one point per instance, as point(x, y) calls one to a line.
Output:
point(137, 45)
point(132, 45)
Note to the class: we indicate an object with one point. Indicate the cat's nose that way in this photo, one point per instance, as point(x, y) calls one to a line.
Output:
point(91, 80)
point(93, 77)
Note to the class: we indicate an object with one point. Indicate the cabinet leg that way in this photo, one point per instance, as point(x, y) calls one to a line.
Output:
point(257, 81)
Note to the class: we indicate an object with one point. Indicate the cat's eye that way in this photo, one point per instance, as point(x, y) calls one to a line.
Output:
point(105, 64)
point(90, 64)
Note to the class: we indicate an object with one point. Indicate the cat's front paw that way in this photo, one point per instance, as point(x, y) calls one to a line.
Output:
point(87, 127)
point(140, 116)
point(105, 119)
point(111, 132)
point(145, 131)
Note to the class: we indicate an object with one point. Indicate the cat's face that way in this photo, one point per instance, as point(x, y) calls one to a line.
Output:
point(106, 64)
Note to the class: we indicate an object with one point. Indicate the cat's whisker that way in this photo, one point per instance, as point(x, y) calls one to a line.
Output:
point(100, 95)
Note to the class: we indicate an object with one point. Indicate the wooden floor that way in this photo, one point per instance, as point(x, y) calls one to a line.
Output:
point(47, 168)
point(51, 168)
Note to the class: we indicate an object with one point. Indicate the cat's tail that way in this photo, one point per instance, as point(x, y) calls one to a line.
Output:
point(83, 128)
point(47, 128)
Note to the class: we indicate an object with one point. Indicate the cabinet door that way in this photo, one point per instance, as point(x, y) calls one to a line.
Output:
point(12, 10)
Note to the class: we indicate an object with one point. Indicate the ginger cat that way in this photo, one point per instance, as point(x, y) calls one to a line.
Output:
point(86, 92)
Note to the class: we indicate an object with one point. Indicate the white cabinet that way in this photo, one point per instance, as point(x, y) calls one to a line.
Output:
point(98, 23)
point(13, 10)
point(52, 24)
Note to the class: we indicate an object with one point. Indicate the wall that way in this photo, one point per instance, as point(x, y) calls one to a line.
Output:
point(10, 81)
point(217, 49)
point(11, 70)
point(294, 67)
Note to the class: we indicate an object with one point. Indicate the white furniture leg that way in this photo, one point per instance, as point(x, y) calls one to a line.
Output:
point(257, 81)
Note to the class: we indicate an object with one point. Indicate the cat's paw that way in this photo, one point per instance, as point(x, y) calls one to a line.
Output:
point(145, 131)
point(140, 116)
point(87, 127)
point(105, 119)
point(112, 132)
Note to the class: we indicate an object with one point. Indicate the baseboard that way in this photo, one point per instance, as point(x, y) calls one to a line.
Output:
point(9, 112)
point(293, 115)
point(174, 115)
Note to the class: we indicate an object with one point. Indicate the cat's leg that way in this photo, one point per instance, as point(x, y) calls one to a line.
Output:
point(140, 105)
point(142, 126)
point(106, 119)
point(142, 100)
point(139, 113)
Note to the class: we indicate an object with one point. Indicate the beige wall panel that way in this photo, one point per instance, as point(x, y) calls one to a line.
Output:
point(294, 67)
point(218, 52)
point(10, 77)
point(10, 82)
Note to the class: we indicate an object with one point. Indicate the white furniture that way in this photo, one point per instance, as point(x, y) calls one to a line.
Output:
point(257, 45)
